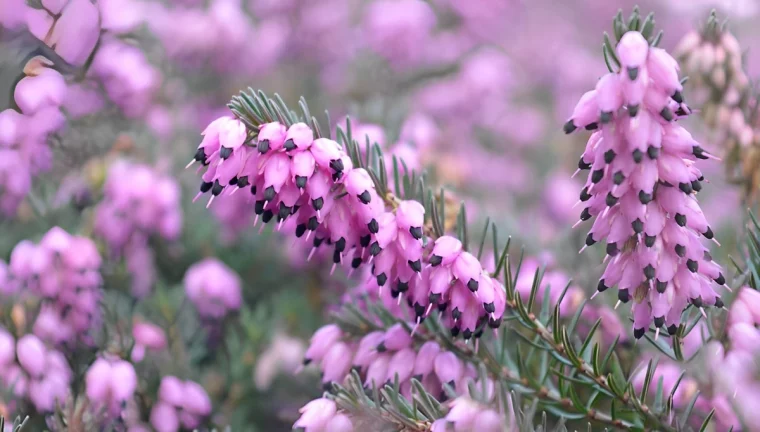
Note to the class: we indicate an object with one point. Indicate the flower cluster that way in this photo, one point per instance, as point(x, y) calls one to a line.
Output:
point(181, 404)
point(292, 175)
point(642, 187)
point(64, 271)
point(138, 202)
point(34, 372)
point(381, 357)
point(23, 135)
point(110, 383)
point(322, 415)
point(213, 288)
point(467, 414)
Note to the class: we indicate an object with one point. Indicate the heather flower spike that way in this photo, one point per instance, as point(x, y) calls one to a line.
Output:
point(642, 187)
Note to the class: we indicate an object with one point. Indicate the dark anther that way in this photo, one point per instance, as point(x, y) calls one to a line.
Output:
point(601, 286)
point(612, 249)
point(416, 232)
point(317, 242)
point(697, 301)
point(269, 193)
point(258, 208)
point(340, 245)
point(583, 165)
point(597, 175)
point(356, 262)
point(681, 112)
point(336, 257)
point(335, 177)
point(685, 188)
point(638, 155)
point(639, 332)
point(233, 181)
point(442, 306)
point(649, 240)
point(659, 321)
point(610, 200)
point(301, 181)
point(454, 332)
point(381, 347)
point(206, 186)
point(680, 250)
point(289, 145)
point(590, 239)
point(638, 226)
point(623, 295)
point(318, 203)
point(225, 152)
point(494, 323)
point(294, 209)
point(633, 73)
point(467, 334)
point(633, 110)
point(381, 279)
point(415, 265)
point(649, 271)
point(699, 152)
point(719, 303)
point(373, 226)
point(263, 146)
point(606, 117)
point(692, 265)
point(217, 188)
point(267, 216)
point(585, 214)
point(696, 186)
point(456, 313)
point(618, 178)
point(661, 286)
point(680, 219)
point(402, 286)
point(364, 240)
point(645, 198)
point(327, 386)
point(472, 285)
point(435, 260)
point(489, 307)
point(667, 114)
point(434, 297)
point(375, 249)
point(609, 156)
point(585, 196)
point(672, 329)
point(592, 126)
point(200, 155)
point(313, 223)
point(284, 211)
point(720, 280)
point(300, 230)
point(569, 127)
point(337, 165)
point(365, 197)
point(419, 310)
point(242, 181)
point(253, 190)
point(653, 152)
point(678, 96)
point(708, 234)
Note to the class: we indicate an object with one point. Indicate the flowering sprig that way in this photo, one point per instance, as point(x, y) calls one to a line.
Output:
point(643, 183)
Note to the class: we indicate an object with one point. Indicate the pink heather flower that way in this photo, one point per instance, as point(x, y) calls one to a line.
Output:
point(322, 340)
point(46, 88)
point(642, 188)
point(76, 31)
point(180, 402)
point(147, 337)
point(63, 269)
point(315, 415)
point(213, 288)
point(109, 383)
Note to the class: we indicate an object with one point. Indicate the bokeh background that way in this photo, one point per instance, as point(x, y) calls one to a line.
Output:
point(473, 92)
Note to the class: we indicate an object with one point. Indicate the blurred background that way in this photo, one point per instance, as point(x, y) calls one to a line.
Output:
point(473, 92)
